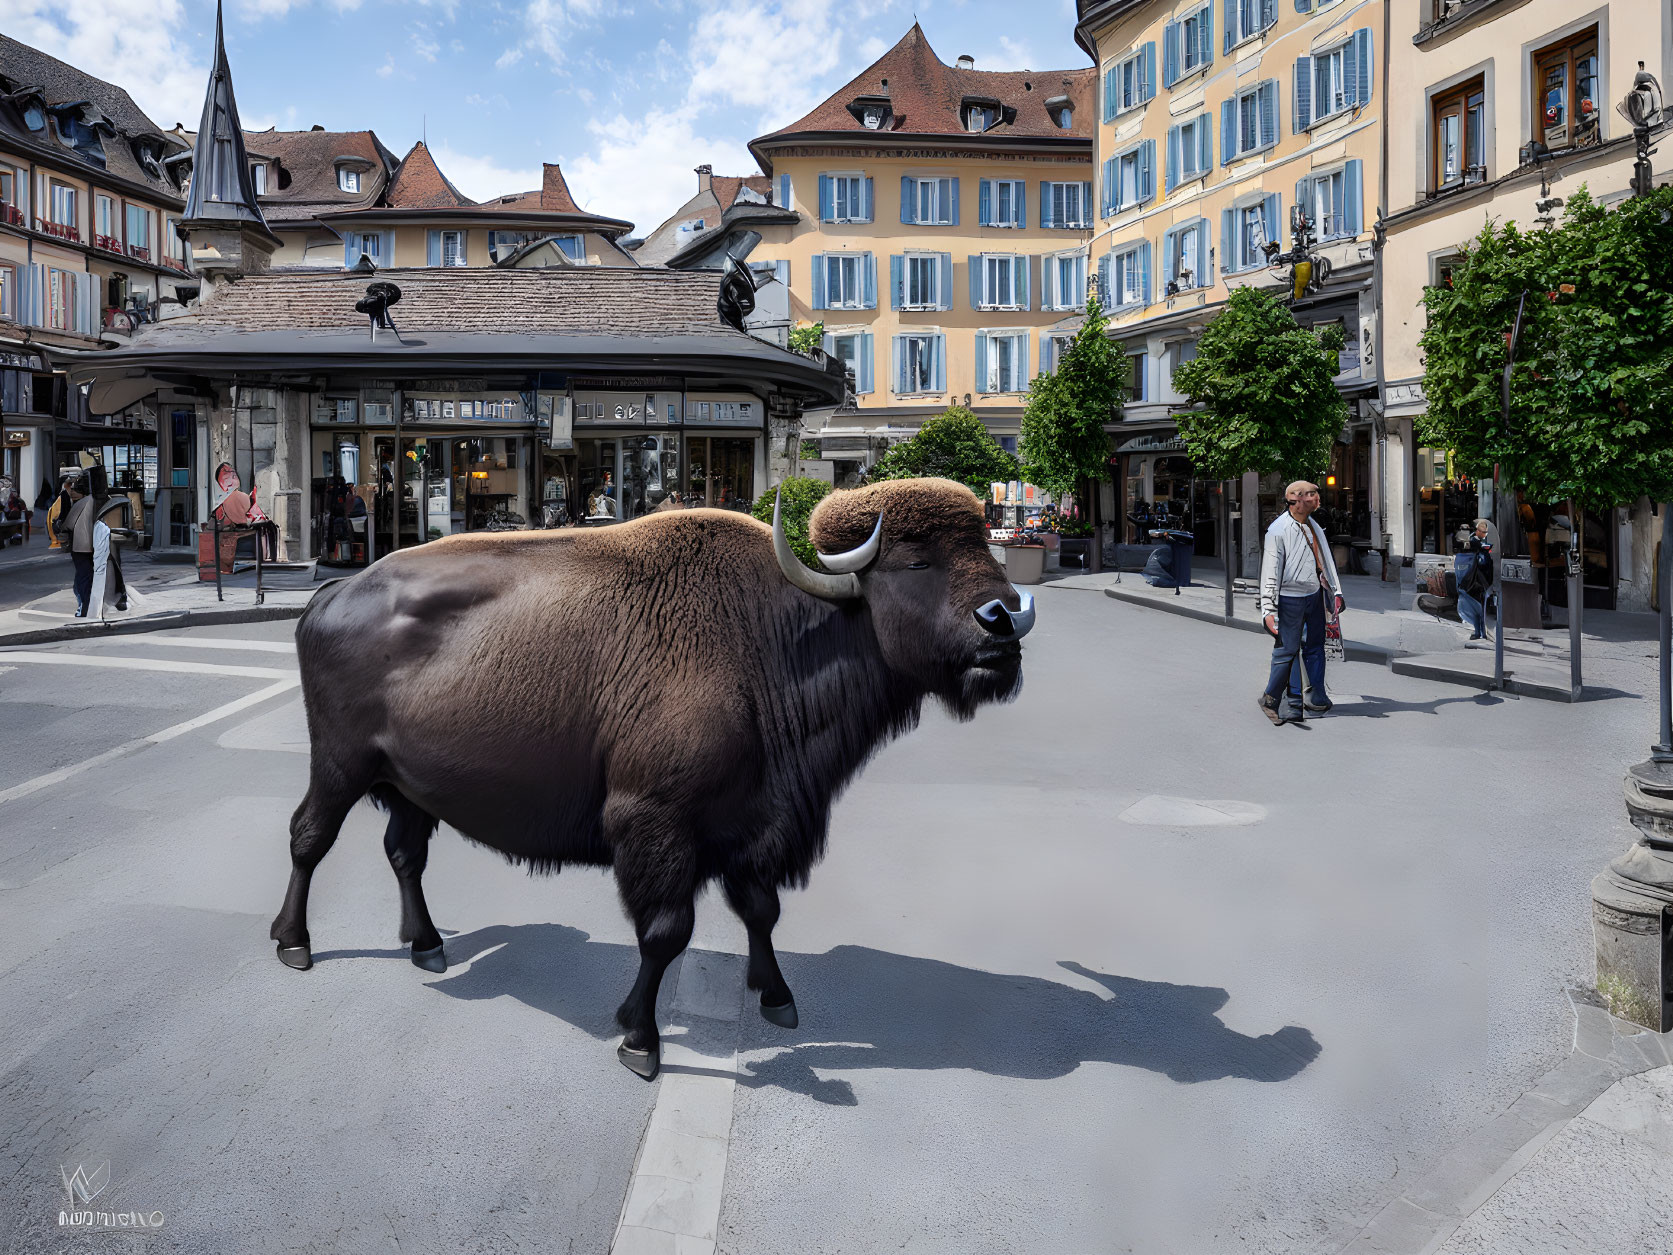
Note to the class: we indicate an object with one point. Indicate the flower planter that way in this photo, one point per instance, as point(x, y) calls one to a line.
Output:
point(1025, 564)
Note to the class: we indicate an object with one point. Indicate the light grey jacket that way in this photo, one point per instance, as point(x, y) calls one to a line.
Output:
point(1287, 566)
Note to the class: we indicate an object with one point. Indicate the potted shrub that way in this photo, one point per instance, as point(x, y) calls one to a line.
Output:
point(1025, 561)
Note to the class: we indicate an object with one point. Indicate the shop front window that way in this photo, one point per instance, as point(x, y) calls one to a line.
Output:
point(600, 494)
point(722, 472)
point(1447, 502)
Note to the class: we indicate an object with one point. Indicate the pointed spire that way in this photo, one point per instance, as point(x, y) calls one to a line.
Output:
point(222, 187)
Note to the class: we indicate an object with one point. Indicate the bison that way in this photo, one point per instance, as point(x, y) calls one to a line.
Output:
point(678, 698)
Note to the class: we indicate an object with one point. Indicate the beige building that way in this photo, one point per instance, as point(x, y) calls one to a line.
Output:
point(1505, 110)
point(941, 219)
point(1217, 120)
point(89, 199)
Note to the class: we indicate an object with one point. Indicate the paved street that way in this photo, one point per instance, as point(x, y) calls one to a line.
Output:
point(1046, 1004)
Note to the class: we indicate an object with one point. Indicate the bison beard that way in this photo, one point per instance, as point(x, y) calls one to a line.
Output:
point(676, 698)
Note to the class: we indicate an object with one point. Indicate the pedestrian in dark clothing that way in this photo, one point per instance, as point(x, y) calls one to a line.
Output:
point(1474, 564)
point(77, 527)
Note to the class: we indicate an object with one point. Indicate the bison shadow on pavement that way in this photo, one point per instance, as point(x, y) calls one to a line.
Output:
point(866, 1008)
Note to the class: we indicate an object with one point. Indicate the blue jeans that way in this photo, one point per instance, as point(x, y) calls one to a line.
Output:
point(1300, 643)
point(1473, 613)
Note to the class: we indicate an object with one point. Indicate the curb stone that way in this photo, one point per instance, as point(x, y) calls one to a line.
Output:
point(1433, 1206)
point(160, 622)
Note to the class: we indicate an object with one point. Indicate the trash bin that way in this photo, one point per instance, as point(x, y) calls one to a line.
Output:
point(1181, 546)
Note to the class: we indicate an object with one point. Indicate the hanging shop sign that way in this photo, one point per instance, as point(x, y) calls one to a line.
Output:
point(1151, 444)
point(17, 438)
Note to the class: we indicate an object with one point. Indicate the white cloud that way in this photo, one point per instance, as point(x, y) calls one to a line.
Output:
point(640, 169)
point(388, 66)
point(765, 54)
point(483, 178)
point(508, 58)
point(1013, 56)
point(426, 48)
point(551, 22)
point(873, 47)
point(141, 45)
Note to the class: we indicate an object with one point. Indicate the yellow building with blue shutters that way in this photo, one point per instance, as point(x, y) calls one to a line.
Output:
point(1217, 121)
point(941, 217)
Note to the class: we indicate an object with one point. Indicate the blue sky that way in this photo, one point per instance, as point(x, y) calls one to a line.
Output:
point(628, 96)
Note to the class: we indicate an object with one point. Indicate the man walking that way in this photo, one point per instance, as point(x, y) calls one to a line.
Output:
point(1297, 575)
point(76, 526)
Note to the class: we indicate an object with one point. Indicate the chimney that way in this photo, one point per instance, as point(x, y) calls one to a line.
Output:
point(223, 223)
point(705, 177)
point(967, 62)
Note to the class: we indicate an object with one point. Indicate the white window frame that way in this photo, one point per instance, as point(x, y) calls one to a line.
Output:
point(857, 337)
point(1328, 226)
point(993, 266)
point(1084, 221)
point(348, 180)
point(852, 188)
point(1254, 259)
point(61, 315)
point(459, 250)
point(1122, 266)
point(987, 115)
point(62, 194)
point(927, 362)
point(173, 245)
point(1072, 295)
point(370, 245)
point(1190, 42)
point(105, 220)
point(1017, 189)
point(1175, 244)
point(1243, 33)
point(1330, 81)
point(140, 238)
point(927, 264)
point(1138, 364)
point(1190, 148)
point(258, 177)
point(1129, 82)
point(849, 268)
point(928, 192)
point(1124, 162)
point(1016, 342)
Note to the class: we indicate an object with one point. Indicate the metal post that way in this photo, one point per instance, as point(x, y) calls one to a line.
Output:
point(1663, 750)
point(1498, 589)
point(400, 478)
point(1226, 531)
point(1575, 594)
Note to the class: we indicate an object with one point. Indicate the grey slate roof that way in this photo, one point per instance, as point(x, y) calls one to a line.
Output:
point(25, 69)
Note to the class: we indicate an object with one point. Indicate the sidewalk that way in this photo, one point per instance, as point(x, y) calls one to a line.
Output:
point(1379, 626)
point(1581, 1163)
point(161, 594)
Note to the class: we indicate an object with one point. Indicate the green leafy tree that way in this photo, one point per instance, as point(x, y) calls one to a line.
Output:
point(807, 337)
point(953, 445)
point(800, 496)
point(1063, 439)
point(1264, 391)
point(1591, 412)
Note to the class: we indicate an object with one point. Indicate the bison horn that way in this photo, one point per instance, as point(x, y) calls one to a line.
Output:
point(843, 587)
point(857, 560)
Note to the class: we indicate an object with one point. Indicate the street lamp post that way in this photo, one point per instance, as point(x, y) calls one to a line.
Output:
point(1632, 899)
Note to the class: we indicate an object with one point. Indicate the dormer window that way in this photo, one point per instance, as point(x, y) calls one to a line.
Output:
point(871, 117)
point(149, 158)
point(348, 180)
point(978, 118)
point(258, 178)
point(81, 135)
point(1061, 112)
point(34, 116)
point(872, 112)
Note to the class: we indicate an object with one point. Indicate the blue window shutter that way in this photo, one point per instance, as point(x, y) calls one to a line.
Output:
point(1144, 272)
point(951, 192)
point(981, 362)
point(1205, 142)
point(1019, 202)
point(1170, 54)
point(1108, 207)
point(827, 200)
point(976, 299)
point(1231, 21)
point(1303, 93)
point(1086, 202)
point(1149, 66)
point(781, 271)
point(868, 199)
point(1361, 54)
point(388, 248)
point(1269, 13)
point(1109, 93)
point(1167, 256)
point(1024, 265)
point(819, 279)
point(946, 273)
point(1228, 237)
point(868, 272)
point(984, 203)
point(1228, 131)
point(349, 255)
point(908, 201)
point(784, 191)
point(828, 343)
point(1147, 170)
point(1268, 95)
point(1045, 353)
point(897, 350)
point(1353, 193)
point(1019, 364)
point(1047, 220)
point(897, 281)
point(1270, 211)
point(1048, 283)
point(864, 382)
point(1205, 28)
point(940, 343)
point(1170, 173)
point(433, 255)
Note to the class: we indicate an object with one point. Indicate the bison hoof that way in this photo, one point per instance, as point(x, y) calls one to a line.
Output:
point(430, 960)
point(784, 1015)
point(297, 957)
point(643, 1063)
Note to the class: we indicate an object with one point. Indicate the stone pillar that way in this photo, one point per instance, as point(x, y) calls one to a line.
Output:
point(1632, 907)
point(784, 434)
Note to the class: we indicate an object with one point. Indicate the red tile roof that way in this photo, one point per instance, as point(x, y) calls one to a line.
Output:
point(306, 180)
point(726, 187)
point(551, 197)
point(925, 95)
point(420, 184)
